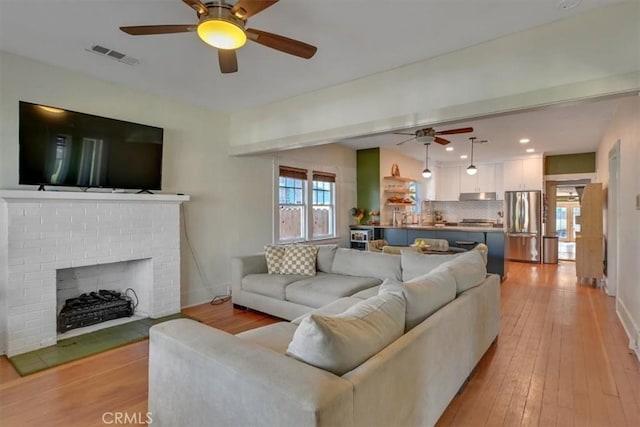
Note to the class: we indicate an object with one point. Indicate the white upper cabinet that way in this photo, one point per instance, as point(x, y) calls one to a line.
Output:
point(448, 183)
point(523, 174)
point(483, 181)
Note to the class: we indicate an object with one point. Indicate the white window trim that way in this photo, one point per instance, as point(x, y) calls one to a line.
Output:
point(308, 203)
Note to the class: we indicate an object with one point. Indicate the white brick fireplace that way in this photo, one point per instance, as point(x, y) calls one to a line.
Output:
point(44, 232)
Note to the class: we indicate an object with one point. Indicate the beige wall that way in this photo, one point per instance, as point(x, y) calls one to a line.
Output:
point(625, 126)
point(230, 211)
point(591, 54)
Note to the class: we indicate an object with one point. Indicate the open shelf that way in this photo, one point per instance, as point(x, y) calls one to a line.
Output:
point(399, 178)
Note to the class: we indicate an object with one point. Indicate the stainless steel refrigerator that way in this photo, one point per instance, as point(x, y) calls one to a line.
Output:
point(523, 212)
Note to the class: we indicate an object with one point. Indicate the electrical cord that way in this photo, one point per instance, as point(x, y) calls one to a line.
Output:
point(126, 293)
point(217, 299)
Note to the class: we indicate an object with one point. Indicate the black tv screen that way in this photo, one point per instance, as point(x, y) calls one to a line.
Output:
point(67, 148)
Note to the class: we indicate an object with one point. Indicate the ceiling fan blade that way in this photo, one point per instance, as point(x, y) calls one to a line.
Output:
point(441, 141)
point(198, 6)
point(147, 30)
point(406, 140)
point(454, 131)
point(246, 8)
point(281, 43)
point(228, 61)
point(404, 133)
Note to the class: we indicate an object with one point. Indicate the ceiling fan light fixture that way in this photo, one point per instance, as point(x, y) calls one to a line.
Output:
point(425, 138)
point(222, 33)
point(472, 170)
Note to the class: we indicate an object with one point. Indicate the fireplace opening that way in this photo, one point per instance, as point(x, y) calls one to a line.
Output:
point(94, 297)
point(91, 308)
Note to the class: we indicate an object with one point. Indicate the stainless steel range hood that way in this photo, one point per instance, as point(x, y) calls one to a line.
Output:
point(477, 196)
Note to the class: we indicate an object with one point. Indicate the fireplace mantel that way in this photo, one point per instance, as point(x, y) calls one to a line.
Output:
point(42, 232)
point(90, 195)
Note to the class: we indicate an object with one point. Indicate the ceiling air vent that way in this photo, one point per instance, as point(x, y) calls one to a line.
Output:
point(113, 54)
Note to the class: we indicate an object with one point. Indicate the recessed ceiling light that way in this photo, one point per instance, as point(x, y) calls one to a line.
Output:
point(530, 150)
point(449, 149)
point(524, 141)
point(464, 156)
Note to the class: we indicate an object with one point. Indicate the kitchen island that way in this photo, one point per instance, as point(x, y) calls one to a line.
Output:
point(493, 237)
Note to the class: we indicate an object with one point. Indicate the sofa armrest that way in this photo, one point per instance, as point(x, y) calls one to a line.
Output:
point(201, 376)
point(243, 265)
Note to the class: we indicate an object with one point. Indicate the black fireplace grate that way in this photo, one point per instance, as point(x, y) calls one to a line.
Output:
point(94, 307)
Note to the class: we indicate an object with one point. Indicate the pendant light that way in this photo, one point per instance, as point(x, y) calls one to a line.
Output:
point(472, 169)
point(426, 173)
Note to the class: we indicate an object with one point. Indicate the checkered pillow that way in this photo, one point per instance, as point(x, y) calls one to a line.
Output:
point(274, 256)
point(299, 259)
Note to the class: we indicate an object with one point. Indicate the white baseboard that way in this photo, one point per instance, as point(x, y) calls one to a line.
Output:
point(630, 327)
point(198, 296)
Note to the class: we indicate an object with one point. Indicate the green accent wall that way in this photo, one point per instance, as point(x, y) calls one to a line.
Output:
point(368, 179)
point(570, 163)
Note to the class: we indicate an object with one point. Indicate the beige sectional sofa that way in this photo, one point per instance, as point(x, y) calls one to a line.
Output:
point(201, 376)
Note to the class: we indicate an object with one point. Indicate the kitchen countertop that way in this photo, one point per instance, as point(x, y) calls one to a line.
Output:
point(433, 227)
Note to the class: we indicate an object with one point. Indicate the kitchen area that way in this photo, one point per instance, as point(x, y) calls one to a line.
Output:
point(400, 205)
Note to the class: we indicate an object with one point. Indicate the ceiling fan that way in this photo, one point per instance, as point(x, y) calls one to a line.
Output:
point(431, 135)
point(222, 26)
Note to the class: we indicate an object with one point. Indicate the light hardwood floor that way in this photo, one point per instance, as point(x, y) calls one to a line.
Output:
point(561, 359)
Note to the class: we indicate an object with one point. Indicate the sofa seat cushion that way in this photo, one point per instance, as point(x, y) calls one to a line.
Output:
point(325, 288)
point(270, 285)
point(336, 307)
point(341, 343)
point(276, 336)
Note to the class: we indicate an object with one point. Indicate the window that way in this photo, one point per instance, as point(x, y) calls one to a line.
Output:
point(323, 189)
point(306, 205)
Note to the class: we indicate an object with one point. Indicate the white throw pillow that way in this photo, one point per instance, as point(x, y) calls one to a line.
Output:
point(274, 256)
point(340, 343)
point(299, 259)
point(468, 269)
point(424, 294)
point(415, 264)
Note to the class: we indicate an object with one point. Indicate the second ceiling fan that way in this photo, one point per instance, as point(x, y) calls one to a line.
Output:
point(222, 26)
point(431, 135)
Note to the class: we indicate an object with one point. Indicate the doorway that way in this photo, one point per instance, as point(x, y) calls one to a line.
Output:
point(567, 222)
point(612, 237)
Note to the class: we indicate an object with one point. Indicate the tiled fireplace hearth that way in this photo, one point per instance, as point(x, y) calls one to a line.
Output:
point(43, 234)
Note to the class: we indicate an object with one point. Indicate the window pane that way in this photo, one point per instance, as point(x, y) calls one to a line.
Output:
point(291, 223)
point(322, 221)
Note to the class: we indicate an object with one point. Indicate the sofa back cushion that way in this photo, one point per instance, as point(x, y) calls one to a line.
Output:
point(326, 253)
point(415, 264)
point(468, 269)
point(352, 262)
point(424, 295)
point(342, 342)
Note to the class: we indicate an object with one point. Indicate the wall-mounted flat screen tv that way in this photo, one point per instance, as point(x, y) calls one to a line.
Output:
point(66, 148)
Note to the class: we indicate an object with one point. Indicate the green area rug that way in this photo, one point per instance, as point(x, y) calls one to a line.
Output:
point(74, 348)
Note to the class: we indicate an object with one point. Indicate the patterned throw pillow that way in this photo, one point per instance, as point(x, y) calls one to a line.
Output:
point(274, 256)
point(299, 259)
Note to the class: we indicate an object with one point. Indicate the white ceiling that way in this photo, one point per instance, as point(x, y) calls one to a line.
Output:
point(560, 129)
point(355, 38)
